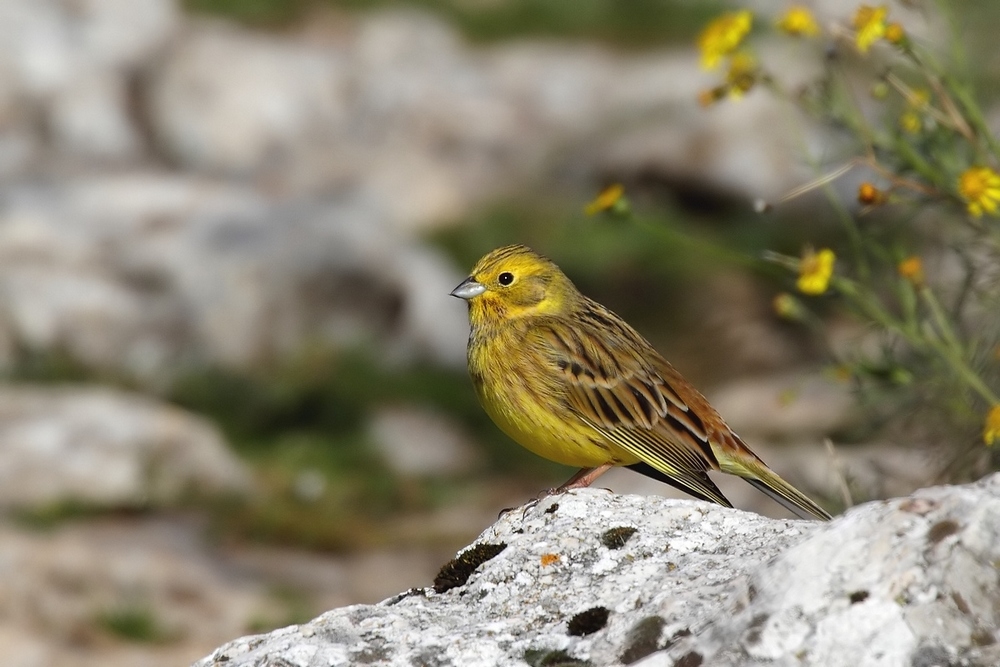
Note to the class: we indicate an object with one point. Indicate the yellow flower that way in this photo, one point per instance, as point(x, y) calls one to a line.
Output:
point(742, 74)
point(841, 373)
point(991, 428)
point(611, 198)
point(710, 96)
point(980, 187)
point(912, 269)
point(788, 307)
point(815, 271)
point(880, 90)
point(911, 122)
point(723, 36)
point(798, 21)
point(919, 98)
point(869, 195)
point(894, 33)
point(869, 22)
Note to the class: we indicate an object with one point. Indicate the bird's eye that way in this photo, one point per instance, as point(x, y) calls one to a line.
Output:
point(505, 278)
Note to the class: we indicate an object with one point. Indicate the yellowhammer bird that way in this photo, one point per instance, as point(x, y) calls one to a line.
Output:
point(571, 381)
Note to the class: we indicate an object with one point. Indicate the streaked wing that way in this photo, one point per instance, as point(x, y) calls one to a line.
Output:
point(612, 383)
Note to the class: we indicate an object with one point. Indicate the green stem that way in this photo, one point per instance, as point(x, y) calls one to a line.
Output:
point(914, 159)
point(869, 307)
point(951, 348)
point(962, 369)
point(940, 319)
point(975, 116)
point(853, 233)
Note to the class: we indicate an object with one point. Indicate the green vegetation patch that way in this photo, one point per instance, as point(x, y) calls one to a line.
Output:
point(134, 622)
point(588, 622)
point(616, 538)
point(632, 24)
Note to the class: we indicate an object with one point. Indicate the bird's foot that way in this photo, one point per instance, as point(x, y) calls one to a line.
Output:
point(542, 495)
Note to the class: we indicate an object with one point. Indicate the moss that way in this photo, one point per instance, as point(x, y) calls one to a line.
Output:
point(858, 596)
point(550, 658)
point(458, 570)
point(754, 630)
point(643, 639)
point(690, 659)
point(588, 622)
point(616, 538)
point(982, 637)
point(941, 530)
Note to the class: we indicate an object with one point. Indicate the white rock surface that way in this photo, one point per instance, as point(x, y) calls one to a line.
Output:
point(398, 106)
point(90, 119)
point(69, 64)
point(107, 448)
point(146, 273)
point(902, 582)
point(230, 100)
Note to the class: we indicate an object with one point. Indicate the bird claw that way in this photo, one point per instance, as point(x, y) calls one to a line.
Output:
point(542, 495)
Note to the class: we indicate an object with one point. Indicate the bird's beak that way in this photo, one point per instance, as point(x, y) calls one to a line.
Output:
point(468, 289)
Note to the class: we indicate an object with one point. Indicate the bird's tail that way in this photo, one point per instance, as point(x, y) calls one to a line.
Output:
point(756, 472)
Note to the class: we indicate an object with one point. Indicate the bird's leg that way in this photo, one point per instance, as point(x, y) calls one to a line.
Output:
point(583, 478)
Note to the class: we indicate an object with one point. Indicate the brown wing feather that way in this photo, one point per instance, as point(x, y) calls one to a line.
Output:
point(621, 387)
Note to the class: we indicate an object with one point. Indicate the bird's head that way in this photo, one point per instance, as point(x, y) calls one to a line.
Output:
point(513, 282)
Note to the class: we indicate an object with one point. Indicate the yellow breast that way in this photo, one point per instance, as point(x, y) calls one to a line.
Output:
point(524, 399)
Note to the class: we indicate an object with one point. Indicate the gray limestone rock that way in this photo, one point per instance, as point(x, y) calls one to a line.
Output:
point(66, 66)
point(148, 273)
point(99, 446)
point(595, 578)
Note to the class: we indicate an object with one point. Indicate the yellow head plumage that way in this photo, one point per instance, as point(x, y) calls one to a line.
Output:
point(513, 282)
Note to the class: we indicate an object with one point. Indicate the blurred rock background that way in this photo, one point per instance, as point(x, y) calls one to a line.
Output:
point(234, 388)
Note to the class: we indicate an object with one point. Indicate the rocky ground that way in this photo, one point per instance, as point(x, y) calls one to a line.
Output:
point(591, 578)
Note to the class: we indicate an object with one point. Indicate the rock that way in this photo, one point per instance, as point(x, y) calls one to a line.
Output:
point(397, 106)
point(149, 274)
point(46, 45)
point(62, 589)
point(273, 100)
point(101, 447)
point(90, 119)
point(591, 576)
point(156, 589)
point(417, 441)
point(68, 66)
